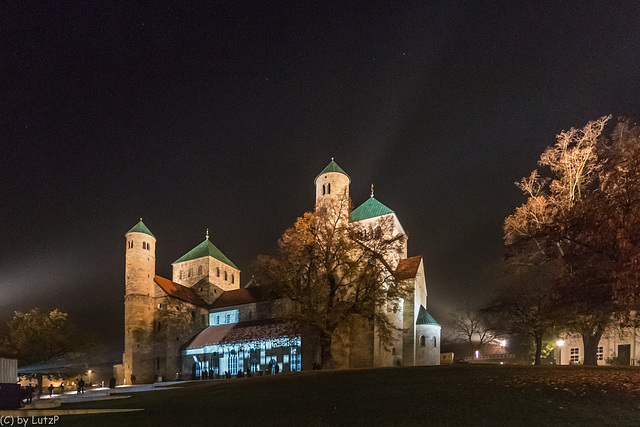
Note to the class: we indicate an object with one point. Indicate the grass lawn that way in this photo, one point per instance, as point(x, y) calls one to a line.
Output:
point(465, 395)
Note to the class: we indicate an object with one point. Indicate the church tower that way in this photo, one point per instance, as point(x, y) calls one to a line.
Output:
point(332, 187)
point(140, 267)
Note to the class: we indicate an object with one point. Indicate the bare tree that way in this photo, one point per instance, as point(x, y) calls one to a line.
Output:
point(335, 274)
point(470, 327)
point(584, 215)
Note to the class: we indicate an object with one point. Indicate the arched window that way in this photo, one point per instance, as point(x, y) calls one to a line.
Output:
point(181, 273)
point(225, 275)
point(423, 341)
point(200, 271)
point(148, 246)
point(434, 342)
point(228, 319)
point(217, 271)
point(324, 190)
point(144, 245)
point(190, 271)
point(232, 279)
point(329, 188)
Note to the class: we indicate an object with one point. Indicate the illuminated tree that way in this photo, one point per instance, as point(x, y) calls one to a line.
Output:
point(335, 275)
point(584, 215)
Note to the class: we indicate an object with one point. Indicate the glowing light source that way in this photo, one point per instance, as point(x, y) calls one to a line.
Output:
point(503, 343)
point(477, 354)
point(560, 343)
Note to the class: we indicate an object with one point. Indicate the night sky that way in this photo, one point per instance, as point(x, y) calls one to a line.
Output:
point(222, 115)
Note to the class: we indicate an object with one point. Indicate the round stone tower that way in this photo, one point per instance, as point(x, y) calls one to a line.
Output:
point(140, 267)
point(332, 185)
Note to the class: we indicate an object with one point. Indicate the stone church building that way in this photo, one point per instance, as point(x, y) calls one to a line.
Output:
point(202, 323)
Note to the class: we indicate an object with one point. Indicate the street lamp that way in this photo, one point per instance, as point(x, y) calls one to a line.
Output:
point(89, 377)
point(560, 343)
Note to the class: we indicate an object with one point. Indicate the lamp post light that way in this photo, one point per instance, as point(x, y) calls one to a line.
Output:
point(89, 377)
point(559, 344)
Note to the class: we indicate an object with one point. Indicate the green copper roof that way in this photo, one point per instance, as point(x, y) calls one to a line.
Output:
point(332, 167)
point(369, 209)
point(205, 248)
point(424, 318)
point(141, 228)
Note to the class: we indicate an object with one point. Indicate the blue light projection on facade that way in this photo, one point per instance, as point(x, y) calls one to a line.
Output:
point(250, 356)
point(224, 317)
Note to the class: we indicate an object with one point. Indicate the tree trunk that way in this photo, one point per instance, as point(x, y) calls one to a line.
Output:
point(590, 342)
point(325, 352)
point(538, 339)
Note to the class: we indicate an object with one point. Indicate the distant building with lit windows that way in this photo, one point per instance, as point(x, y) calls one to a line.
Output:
point(201, 323)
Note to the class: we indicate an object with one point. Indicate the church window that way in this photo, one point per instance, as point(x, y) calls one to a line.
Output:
point(193, 315)
point(181, 274)
point(200, 272)
point(435, 342)
point(217, 320)
point(393, 351)
point(423, 341)
point(190, 271)
point(217, 271)
point(144, 245)
point(228, 319)
point(148, 246)
point(225, 275)
point(324, 190)
point(329, 188)
point(232, 279)
point(378, 232)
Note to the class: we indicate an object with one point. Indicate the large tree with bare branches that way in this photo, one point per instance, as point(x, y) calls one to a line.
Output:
point(583, 212)
point(335, 275)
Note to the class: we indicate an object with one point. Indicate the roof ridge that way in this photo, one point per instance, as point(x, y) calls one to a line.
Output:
point(371, 208)
point(206, 248)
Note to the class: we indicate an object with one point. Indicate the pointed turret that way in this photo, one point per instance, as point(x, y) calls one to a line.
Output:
point(332, 184)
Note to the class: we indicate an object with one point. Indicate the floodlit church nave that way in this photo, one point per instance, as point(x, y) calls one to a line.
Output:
point(201, 323)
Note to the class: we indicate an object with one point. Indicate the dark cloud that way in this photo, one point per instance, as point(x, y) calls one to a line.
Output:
point(221, 116)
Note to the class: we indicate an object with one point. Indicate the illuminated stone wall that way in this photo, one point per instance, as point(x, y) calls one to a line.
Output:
point(140, 290)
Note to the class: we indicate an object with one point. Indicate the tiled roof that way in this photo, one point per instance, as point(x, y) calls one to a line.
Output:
point(424, 318)
point(243, 332)
point(141, 228)
point(205, 248)
point(332, 167)
point(180, 292)
point(408, 267)
point(239, 296)
point(369, 209)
